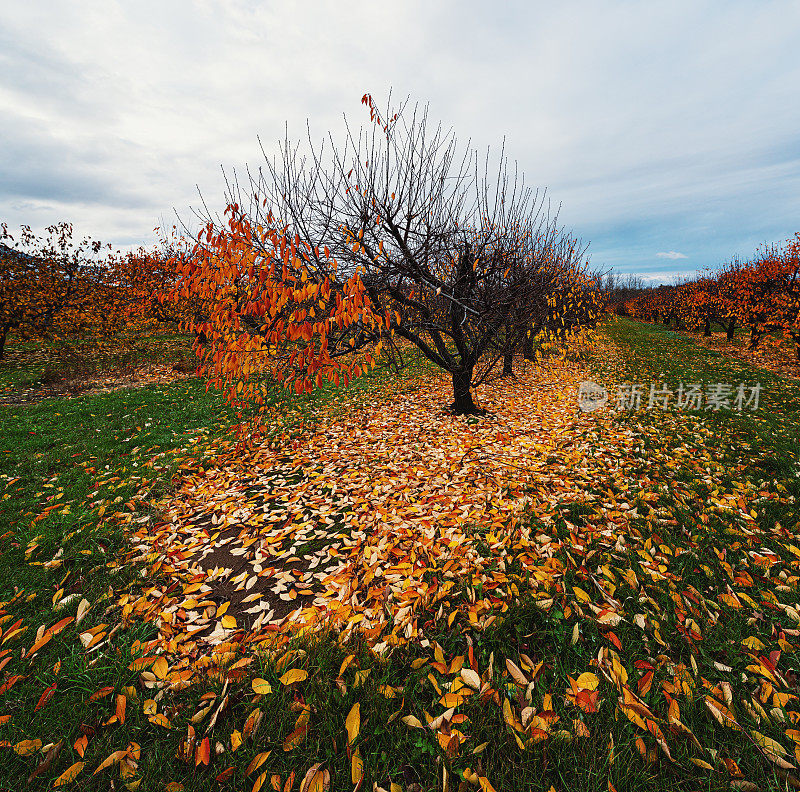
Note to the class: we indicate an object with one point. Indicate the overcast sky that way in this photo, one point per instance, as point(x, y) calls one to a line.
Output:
point(668, 132)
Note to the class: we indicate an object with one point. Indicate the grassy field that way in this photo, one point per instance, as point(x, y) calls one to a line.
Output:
point(75, 475)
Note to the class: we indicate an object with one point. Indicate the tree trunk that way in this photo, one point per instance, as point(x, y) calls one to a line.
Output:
point(462, 396)
point(508, 363)
point(754, 337)
point(3, 335)
point(666, 320)
point(527, 351)
point(707, 328)
point(731, 328)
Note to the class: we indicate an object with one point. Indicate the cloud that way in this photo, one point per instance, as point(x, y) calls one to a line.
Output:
point(647, 123)
point(672, 254)
point(655, 278)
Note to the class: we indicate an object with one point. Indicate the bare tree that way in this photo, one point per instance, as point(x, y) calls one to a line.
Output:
point(455, 257)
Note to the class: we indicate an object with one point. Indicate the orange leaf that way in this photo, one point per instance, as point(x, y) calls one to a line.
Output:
point(39, 644)
point(251, 724)
point(70, 774)
point(203, 753)
point(45, 697)
point(102, 693)
point(80, 745)
point(295, 738)
point(9, 683)
point(256, 762)
point(27, 747)
point(111, 759)
point(121, 704)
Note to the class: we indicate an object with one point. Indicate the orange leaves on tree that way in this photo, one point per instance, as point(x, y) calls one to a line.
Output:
point(264, 315)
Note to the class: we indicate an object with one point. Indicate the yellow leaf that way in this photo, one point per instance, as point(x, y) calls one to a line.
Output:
point(111, 759)
point(587, 681)
point(27, 747)
point(228, 623)
point(633, 716)
point(618, 670)
point(160, 667)
point(356, 767)
point(576, 633)
point(701, 763)
point(410, 720)
point(581, 595)
point(256, 762)
point(160, 720)
point(346, 662)
point(353, 724)
point(361, 676)
point(768, 744)
point(294, 675)
point(485, 785)
point(236, 740)
point(508, 714)
point(263, 777)
point(261, 686)
point(69, 775)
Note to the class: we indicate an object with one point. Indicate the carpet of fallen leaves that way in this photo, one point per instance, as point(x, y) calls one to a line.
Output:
point(376, 515)
point(400, 521)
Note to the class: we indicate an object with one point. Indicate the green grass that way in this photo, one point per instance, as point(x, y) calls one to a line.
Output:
point(107, 448)
point(116, 452)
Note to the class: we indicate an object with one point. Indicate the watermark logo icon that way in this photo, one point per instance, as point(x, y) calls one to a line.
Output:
point(591, 396)
point(691, 396)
